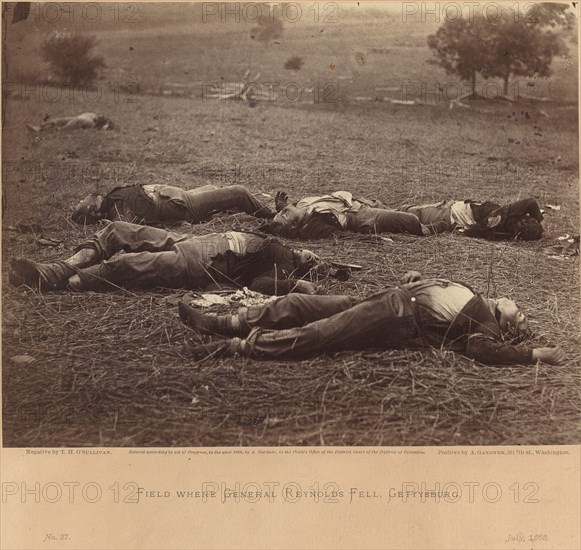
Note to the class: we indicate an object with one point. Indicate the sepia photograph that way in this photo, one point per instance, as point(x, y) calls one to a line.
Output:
point(318, 224)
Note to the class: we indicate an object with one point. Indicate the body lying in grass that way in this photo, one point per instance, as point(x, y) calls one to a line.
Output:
point(323, 216)
point(487, 219)
point(84, 121)
point(430, 312)
point(155, 204)
point(160, 258)
point(327, 215)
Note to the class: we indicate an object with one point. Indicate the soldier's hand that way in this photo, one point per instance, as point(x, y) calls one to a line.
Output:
point(280, 200)
point(305, 287)
point(411, 277)
point(552, 356)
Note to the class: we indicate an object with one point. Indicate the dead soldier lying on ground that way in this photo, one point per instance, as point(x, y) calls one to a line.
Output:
point(159, 258)
point(418, 313)
point(84, 121)
point(159, 204)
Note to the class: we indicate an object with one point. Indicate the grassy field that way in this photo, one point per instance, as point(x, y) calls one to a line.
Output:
point(114, 369)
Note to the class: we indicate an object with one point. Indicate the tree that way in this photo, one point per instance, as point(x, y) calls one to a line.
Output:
point(526, 45)
point(461, 46)
point(551, 15)
point(513, 44)
point(523, 51)
point(70, 57)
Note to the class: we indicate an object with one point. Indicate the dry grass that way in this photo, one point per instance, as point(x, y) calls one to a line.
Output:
point(115, 369)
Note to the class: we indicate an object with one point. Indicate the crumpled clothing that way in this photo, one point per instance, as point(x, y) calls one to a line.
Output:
point(243, 297)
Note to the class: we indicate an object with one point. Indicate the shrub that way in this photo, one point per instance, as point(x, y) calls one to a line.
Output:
point(294, 63)
point(70, 57)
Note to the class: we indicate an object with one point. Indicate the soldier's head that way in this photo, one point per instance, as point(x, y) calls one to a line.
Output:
point(305, 262)
point(103, 122)
point(289, 218)
point(510, 318)
point(529, 229)
point(305, 258)
point(88, 211)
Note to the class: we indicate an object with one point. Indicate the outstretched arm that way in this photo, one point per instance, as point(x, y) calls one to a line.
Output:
point(489, 351)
